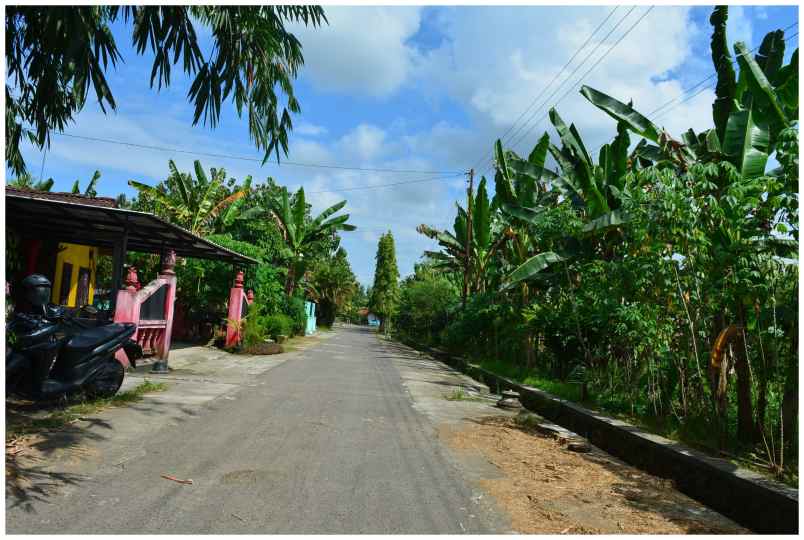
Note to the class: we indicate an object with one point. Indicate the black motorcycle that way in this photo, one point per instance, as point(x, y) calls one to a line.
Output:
point(53, 352)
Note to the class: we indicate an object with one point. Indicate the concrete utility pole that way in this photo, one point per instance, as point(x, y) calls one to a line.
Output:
point(467, 266)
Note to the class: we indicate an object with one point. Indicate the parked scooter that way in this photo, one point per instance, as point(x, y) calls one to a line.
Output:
point(53, 353)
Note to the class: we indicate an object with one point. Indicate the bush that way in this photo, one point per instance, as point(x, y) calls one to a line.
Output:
point(254, 331)
point(278, 324)
point(294, 308)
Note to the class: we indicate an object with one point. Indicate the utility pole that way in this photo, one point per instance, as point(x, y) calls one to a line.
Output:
point(467, 262)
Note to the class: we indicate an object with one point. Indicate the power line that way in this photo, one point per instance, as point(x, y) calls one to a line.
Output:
point(693, 95)
point(378, 186)
point(582, 77)
point(560, 86)
point(252, 159)
point(544, 89)
point(710, 77)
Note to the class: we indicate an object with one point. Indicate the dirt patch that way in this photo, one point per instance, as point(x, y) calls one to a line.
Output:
point(263, 349)
point(548, 489)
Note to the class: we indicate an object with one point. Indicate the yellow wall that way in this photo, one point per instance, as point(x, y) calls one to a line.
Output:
point(79, 256)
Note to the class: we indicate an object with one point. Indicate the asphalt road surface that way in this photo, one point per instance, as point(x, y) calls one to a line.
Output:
point(327, 442)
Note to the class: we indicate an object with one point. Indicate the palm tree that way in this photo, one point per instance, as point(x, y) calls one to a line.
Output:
point(195, 203)
point(299, 232)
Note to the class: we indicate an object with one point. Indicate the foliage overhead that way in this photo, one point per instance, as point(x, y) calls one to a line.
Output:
point(56, 56)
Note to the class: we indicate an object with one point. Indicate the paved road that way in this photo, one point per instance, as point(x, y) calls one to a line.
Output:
point(327, 442)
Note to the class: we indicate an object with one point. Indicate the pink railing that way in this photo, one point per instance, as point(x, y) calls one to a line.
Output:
point(151, 308)
point(239, 300)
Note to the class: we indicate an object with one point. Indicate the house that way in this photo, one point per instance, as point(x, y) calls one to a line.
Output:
point(370, 318)
point(63, 235)
point(70, 266)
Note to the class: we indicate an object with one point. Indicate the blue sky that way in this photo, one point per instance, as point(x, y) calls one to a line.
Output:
point(411, 88)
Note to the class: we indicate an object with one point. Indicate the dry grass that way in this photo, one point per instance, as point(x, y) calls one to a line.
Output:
point(548, 489)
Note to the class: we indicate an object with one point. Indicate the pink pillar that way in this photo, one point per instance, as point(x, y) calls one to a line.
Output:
point(163, 347)
point(127, 309)
point(236, 298)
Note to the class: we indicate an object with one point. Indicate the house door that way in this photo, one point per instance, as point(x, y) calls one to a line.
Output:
point(66, 280)
point(82, 296)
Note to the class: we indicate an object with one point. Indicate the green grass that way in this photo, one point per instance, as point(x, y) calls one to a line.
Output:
point(19, 426)
point(561, 389)
point(460, 395)
point(694, 432)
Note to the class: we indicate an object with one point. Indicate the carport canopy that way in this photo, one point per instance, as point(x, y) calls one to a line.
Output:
point(81, 220)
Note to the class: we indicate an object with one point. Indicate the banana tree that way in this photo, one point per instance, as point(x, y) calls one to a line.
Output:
point(750, 112)
point(299, 232)
point(484, 243)
point(90, 191)
point(195, 203)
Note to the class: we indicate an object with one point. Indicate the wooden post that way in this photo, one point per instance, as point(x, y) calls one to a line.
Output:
point(467, 261)
point(118, 259)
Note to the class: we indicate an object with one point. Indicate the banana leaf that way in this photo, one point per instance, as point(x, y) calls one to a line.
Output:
point(761, 90)
point(770, 55)
point(726, 89)
point(614, 218)
point(528, 215)
point(531, 267)
point(786, 83)
point(481, 217)
point(747, 143)
point(538, 155)
point(621, 112)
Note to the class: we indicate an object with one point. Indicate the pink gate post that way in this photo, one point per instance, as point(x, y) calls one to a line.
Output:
point(153, 335)
point(237, 297)
point(168, 276)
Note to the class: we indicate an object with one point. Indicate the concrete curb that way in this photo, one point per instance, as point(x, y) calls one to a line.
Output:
point(750, 499)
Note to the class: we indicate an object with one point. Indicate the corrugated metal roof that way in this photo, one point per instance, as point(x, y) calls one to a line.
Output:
point(81, 221)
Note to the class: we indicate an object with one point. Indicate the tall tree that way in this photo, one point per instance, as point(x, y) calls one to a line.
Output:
point(194, 203)
point(300, 232)
point(53, 54)
point(332, 284)
point(385, 291)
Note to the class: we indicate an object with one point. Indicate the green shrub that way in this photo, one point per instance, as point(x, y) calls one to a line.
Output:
point(278, 324)
point(294, 308)
point(254, 331)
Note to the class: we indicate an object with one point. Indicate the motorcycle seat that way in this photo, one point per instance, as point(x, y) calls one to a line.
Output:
point(91, 338)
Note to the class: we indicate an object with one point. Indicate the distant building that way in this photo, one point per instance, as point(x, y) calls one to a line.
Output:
point(367, 317)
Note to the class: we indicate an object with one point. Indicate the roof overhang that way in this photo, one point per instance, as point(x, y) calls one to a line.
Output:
point(105, 227)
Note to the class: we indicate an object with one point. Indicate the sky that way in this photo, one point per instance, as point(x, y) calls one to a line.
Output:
point(425, 89)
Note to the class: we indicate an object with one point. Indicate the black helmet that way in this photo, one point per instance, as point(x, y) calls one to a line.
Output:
point(37, 290)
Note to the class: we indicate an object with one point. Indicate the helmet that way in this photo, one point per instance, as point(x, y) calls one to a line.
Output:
point(37, 290)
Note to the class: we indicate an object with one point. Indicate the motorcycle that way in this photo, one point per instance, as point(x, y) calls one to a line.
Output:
point(54, 353)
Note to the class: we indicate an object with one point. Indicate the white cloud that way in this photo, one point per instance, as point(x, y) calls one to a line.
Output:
point(365, 142)
point(363, 49)
point(311, 130)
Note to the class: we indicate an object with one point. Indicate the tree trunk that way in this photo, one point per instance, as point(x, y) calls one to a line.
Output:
point(790, 398)
point(290, 280)
point(745, 422)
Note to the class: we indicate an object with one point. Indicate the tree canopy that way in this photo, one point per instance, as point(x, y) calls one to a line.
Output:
point(54, 55)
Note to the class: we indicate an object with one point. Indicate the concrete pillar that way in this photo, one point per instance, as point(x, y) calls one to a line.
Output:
point(236, 299)
point(168, 275)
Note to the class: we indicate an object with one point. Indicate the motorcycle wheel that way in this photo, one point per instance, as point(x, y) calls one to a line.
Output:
point(107, 380)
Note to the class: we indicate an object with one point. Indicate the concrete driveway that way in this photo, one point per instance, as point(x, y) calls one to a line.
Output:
point(325, 440)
